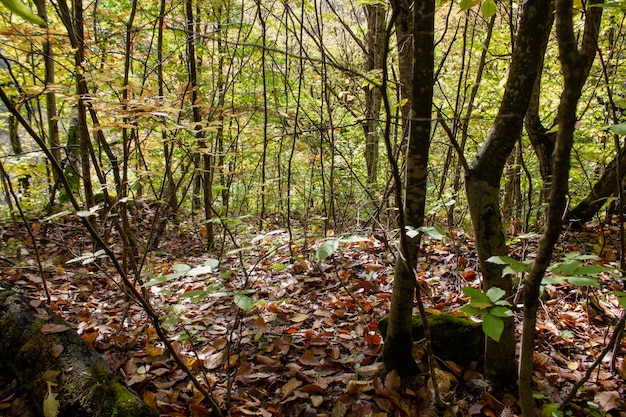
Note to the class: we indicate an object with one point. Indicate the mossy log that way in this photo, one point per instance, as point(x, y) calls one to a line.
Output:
point(37, 342)
point(455, 338)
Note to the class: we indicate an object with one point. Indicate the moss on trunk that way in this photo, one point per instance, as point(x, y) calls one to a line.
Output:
point(455, 338)
point(85, 385)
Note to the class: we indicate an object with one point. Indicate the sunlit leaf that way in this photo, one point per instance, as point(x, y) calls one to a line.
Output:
point(24, 12)
point(326, 249)
point(501, 312)
point(433, 232)
point(584, 281)
point(488, 8)
point(619, 129)
point(495, 293)
point(244, 302)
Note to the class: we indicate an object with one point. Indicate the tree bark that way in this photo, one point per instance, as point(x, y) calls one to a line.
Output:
point(85, 385)
point(376, 38)
point(398, 346)
point(485, 173)
point(576, 65)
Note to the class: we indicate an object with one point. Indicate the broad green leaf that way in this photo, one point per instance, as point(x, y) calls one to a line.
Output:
point(478, 298)
point(554, 280)
point(279, 266)
point(581, 257)
point(501, 312)
point(488, 8)
point(85, 213)
point(195, 295)
point(473, 311)
point(591, 270)
point(618, 129)
point(513, 265)
point(495, 293)
point(433, 232)
point(493, 326)
point(244, 302)
point(584, 281)
point(181, 267)
point(467, 4)
point(20, 9)
point(566, 268)
point(475, 294)
point(326, 249)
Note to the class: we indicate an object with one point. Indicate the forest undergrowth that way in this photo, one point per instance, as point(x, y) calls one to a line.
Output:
point(272, 330)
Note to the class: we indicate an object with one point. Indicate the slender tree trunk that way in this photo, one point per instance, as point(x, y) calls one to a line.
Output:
point(398, 344)
point(51, 103)
point(375, 39)
point(205, 160)
point(483, 180)
point(576, 65)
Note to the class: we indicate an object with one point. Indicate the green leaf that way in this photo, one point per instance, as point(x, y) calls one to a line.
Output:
point(591, 270)
point(244, 302)
point(473, 311)
point(495, 293)
point(23, 11)
point(566, 268)
point(554, 280)
point(584, 281)
point(619, 129)
point(476, 295)
point(326, 249)
point(493, 326)
point(279, 266)
point(467, 4)
point(501, 312)
point(433, 232)
point(513, 265)
point(85, 213)
point(488, 8)
point(195, 295)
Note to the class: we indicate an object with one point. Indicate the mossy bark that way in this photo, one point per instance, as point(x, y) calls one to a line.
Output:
point(455, 338)
point(85, 385)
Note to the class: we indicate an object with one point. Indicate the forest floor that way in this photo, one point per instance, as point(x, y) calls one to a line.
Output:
point(272, 331)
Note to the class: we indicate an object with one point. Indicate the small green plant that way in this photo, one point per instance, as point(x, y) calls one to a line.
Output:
point(490, 307)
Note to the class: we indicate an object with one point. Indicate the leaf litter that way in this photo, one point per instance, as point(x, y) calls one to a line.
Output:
point(274, 334)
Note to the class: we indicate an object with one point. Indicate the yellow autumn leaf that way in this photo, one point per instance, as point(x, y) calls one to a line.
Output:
point(50, 403)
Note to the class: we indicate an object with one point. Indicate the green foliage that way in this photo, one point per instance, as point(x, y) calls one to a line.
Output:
point(20, 9)
point(490, 307)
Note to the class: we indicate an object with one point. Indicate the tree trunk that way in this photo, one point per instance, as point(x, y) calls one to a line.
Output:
point(398, 346)
point(485, 173)
point(376, 38)
point(85, 385)
point(576, 65)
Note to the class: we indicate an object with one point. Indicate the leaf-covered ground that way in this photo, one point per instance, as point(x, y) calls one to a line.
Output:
point(272, 331)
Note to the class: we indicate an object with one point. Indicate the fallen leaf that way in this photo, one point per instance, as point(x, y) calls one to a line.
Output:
point(290, 387)
point(51, 328)
point(607, 400)
point(57, 350)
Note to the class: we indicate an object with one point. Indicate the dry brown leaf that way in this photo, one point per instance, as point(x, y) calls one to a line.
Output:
point(57, 350)
point(607, 400)
point(52, 328)
point(393, 381)
point(290, 387)
point(214, 361)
